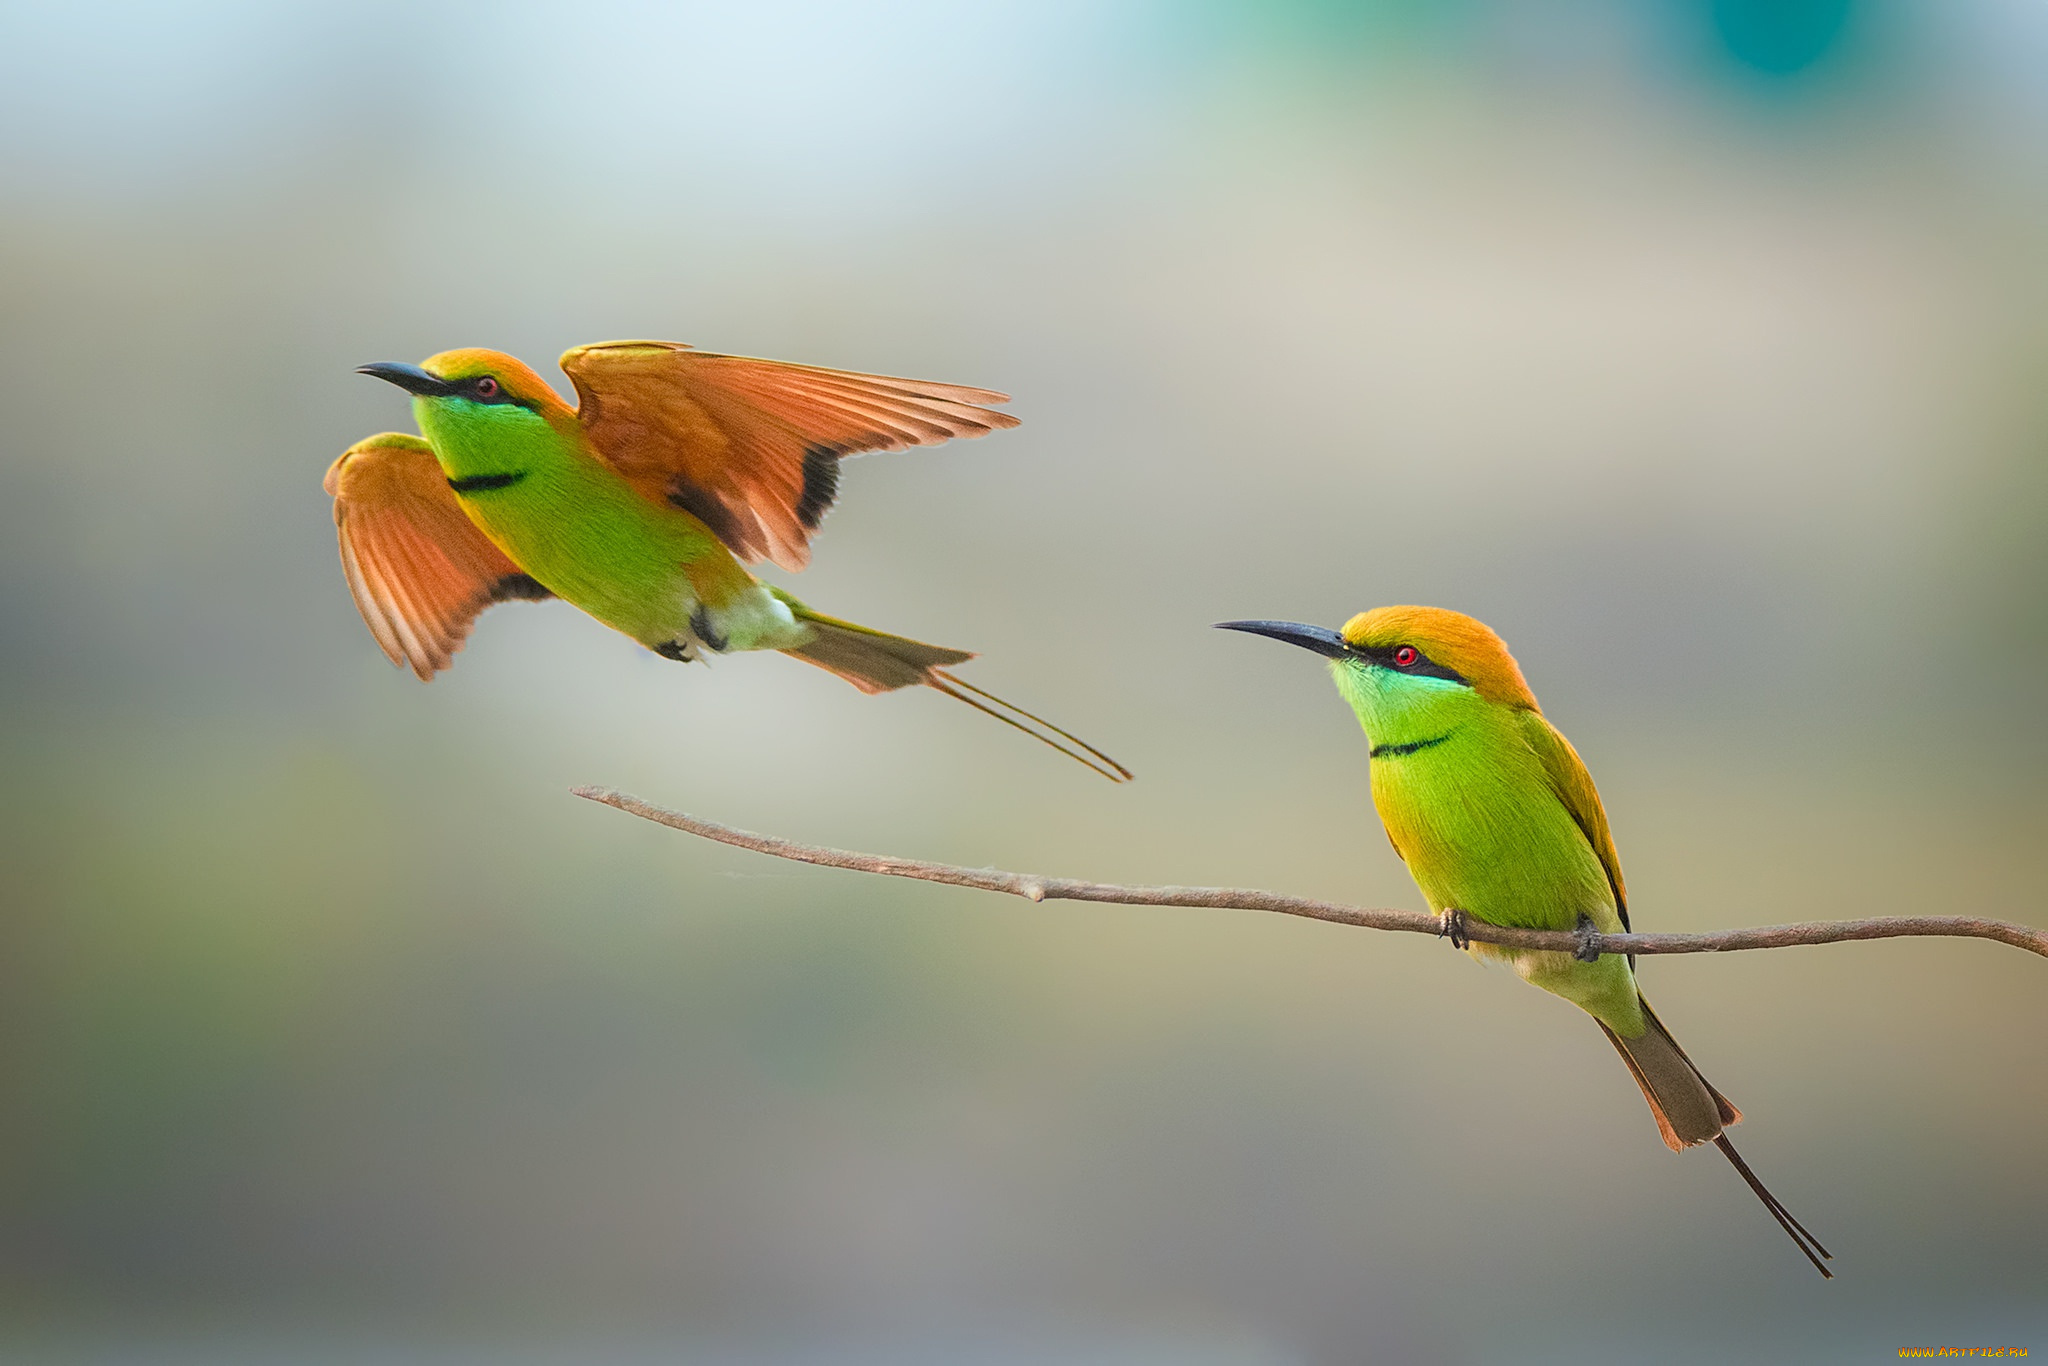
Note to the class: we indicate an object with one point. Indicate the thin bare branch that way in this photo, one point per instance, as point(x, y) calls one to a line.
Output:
point(1035, 888)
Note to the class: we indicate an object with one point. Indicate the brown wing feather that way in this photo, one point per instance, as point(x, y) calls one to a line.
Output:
point(418, 567)
point(752, 446)
point(1574, 787)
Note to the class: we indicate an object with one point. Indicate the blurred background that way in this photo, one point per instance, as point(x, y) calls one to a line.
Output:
point(1696, 345)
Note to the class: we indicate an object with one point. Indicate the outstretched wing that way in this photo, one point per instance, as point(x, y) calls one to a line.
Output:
point(752, 447)
point(1574, 787)
point(419, 568)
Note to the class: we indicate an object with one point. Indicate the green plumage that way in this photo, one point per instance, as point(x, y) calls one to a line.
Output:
point(572, 523)
point(1475, 807)
point(637, 506)
point(1498, 820)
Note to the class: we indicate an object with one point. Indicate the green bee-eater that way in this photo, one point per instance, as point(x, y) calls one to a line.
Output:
point(1497, 818)
point(638, 505)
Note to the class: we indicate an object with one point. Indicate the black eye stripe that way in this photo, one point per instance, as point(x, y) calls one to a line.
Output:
point(1383, 655)
point(473, 390)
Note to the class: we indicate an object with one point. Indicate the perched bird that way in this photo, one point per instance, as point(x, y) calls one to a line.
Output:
point(638, 506)
point(1497, 818)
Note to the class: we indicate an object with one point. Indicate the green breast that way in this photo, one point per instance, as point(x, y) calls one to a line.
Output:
point(567, 519)
point(1482, 831)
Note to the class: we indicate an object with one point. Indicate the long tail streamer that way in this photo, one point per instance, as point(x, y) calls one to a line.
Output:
point(1037, 727)
point(1808, 1244)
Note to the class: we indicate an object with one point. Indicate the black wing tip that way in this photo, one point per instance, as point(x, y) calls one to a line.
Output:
point(519, 588)
point(821, 485)
point(707, 508)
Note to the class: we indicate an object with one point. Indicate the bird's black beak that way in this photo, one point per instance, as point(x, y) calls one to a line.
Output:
point(1318, 638)
point(410, 378)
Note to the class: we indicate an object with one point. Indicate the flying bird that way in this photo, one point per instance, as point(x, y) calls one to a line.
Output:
point(638, 506)
point(1496, 817)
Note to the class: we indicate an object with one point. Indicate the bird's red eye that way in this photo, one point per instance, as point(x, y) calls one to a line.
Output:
point(1405, 656)
point(487, 387)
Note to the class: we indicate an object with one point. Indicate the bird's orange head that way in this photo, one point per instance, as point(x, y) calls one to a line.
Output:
point(1409, 653)
point(478, 375)
point(1446, 640)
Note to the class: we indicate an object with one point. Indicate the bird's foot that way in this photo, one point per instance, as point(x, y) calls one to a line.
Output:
point(700, 623)
point(1451, 926)
point(1588, 936)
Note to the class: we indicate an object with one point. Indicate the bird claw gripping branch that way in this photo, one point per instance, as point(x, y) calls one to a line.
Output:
point(1588, 935)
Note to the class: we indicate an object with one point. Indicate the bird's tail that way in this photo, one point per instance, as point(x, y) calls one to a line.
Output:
point(875, 661)
point(1686, 1108)
point(1689, 1110)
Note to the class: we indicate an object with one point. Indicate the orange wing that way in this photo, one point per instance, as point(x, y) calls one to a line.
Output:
point(752, 447)
point(419, 568)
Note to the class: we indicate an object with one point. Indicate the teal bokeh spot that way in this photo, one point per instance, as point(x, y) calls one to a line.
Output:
point(1780, 36)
